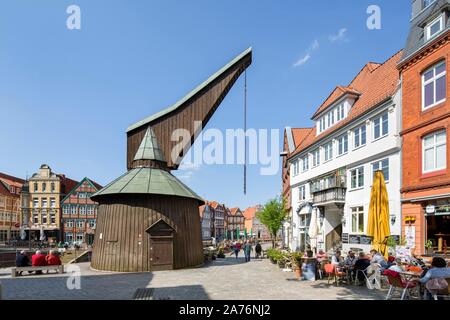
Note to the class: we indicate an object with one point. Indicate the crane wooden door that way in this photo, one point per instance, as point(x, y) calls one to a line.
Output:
point(161, 246)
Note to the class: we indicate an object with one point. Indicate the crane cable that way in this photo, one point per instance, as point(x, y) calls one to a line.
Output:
point(245, 132)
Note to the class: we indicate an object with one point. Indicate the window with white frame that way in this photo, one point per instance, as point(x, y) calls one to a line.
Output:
point(316, 157)
point(305, 164)
point(35, 203)
point(296, 168)
point(302, 193)
point(343, 144)
point(340, 112)
point(434, 86)
point(52, 217)
point(44, 203)
point(359, 136)
point(66, 210)
point(52, 203)
point(382, 165)
point(328, 151)
point(83, 210)
point(80, 223)
point(68, 237)
point(357, 178)
point(91, 223)
point(44, 217)
point(380, 126)
point(79, 237)
point(35, 218)
point(358, 220)
point(434, 27)
point(73, 209)
point(69, 224)
point(90, 210)
point(434, 152)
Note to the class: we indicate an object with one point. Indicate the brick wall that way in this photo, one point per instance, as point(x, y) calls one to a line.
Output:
point(418, 123)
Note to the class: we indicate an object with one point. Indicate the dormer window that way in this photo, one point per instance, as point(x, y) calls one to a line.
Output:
point(434, 27)
point(330, 118)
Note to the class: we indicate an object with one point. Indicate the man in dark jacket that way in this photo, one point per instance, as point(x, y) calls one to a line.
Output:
point(258, 250)
point(22, 260)
point(361, 264)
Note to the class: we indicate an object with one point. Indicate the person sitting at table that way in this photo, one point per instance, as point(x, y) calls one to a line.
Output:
point(350, 259)
point(361, 264)
point(321, 256)
point(397, 266)
point(378, 258)
point(308, 254)
point(337, 259)
point(438, 270)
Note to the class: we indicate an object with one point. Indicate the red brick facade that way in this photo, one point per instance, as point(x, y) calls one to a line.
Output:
point(418, 189)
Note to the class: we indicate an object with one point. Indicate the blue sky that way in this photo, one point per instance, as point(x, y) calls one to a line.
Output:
point(67, 96)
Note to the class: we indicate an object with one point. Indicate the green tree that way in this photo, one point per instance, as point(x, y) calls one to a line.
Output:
point(272, 216)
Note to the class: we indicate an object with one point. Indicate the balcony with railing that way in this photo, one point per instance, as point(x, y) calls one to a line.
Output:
point(329, 189)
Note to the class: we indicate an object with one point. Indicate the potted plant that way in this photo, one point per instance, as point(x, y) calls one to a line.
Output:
point(429, 246)
point(274, 255)
point(297, 264)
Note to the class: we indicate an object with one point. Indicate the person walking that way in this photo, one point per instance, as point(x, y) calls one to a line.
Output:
point(247, 250)
point(237, 248)
point(258, 250)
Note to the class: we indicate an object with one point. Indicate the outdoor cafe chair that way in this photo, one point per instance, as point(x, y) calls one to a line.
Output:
point(372, 276)
point(443, 293)
point(396, 281)
point(335, 273)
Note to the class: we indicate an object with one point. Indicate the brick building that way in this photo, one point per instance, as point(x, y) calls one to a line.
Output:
point(10, 188)
point(426, 122)
point(79, 213)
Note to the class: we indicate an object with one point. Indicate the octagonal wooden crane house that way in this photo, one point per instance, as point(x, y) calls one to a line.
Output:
point(148, 219)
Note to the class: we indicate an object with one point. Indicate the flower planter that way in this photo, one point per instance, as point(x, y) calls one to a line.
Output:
point(298, 273)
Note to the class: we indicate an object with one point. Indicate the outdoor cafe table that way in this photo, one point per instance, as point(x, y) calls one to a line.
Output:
point(413, 276)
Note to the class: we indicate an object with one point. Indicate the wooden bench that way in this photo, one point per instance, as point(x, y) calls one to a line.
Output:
point(15, 270)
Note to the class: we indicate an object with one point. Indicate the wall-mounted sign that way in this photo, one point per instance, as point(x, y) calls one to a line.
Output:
point(345, 238)
point(359, 239)
point(430, 209)
point(410, 235)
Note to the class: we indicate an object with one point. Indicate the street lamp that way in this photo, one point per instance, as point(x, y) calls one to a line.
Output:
point(393, 219)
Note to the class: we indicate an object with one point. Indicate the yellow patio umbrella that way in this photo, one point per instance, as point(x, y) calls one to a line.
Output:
point(378, 223)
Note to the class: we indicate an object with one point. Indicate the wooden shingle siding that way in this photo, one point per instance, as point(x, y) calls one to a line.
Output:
point(200, 108)
point(126, 220)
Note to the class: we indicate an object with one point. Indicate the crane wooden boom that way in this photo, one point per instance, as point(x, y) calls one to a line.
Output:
point(198, 105)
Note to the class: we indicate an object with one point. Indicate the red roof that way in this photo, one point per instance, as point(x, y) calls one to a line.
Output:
point(234, 211)
point(374, 84)
point(4, 190)
point(67, 184)
point(337, 93)
point(249, 213)
point(7, 177)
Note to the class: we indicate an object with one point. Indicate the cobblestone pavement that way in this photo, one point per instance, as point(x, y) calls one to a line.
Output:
point(228, 278)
